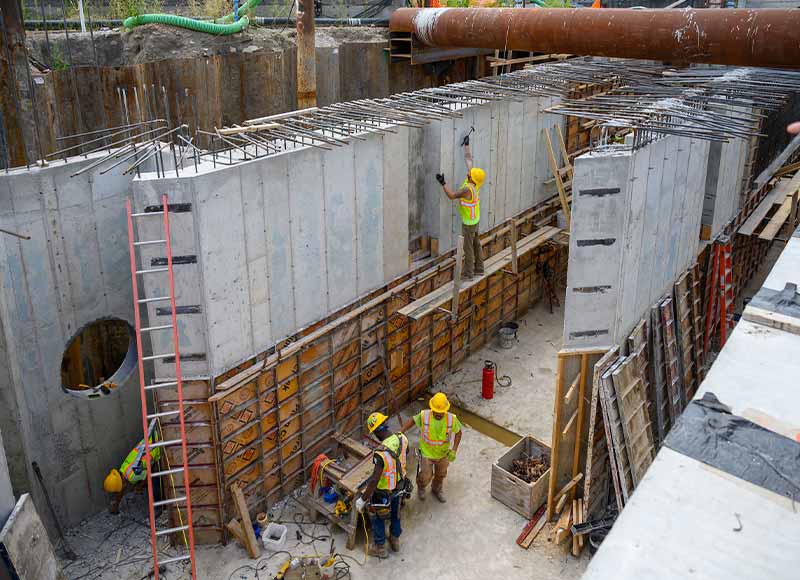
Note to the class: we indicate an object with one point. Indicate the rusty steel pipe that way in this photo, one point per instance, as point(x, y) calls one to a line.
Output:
point(764, 37)
point(306, 55)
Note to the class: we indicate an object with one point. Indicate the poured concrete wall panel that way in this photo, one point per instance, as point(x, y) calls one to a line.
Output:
point(278, 219)
point(341, 225)
point(309, 268)
point(66, 276)
point(396, 154)
point(514, 152)
point(369, 208)
point(596, 248)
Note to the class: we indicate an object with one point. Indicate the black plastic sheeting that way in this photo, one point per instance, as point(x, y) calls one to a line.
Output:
point(708, 432)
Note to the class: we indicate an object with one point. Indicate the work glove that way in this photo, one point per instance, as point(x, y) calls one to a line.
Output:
point(440, 179)
point(360, 504)
point(451, 456)
point(465, 140)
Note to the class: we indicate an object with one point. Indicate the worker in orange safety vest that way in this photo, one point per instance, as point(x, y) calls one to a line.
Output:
point(386, 487)
point(440, 436)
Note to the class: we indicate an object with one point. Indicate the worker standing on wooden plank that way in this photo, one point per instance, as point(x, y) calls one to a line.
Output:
point(386, 486)
point(440, 436)
point(469, 201)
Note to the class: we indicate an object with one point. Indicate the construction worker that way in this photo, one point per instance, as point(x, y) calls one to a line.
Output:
point(131, 473)
point(386, 485)
point(469, 201)
point(440, 436)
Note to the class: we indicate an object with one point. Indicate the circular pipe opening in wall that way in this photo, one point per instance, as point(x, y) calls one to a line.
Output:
point(99, 358)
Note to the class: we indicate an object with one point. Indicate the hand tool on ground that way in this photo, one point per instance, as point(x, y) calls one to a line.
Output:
point(70, 555)
point(592, 526)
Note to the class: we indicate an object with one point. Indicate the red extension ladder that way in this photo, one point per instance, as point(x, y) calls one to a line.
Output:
point(185, 527)
point(720, 293)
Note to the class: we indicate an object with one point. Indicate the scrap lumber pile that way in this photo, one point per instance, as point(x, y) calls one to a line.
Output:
point(530, 469)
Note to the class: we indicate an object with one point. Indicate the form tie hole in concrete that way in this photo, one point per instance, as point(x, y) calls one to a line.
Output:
point(99, 358)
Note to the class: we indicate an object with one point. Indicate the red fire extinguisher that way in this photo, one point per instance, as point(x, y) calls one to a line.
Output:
point(487, 385)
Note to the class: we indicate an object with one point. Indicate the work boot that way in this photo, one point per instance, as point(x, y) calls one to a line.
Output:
point(421, 493)
point(394, 543)
point(439, 494)
point(378, 551)
point(467, 277)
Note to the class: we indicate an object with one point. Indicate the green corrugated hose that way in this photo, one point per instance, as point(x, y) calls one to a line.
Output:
point(221, 26)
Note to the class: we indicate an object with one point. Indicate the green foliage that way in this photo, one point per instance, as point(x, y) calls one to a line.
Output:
point(57, 61)
point(122, 9)
point(458, 3)
point(557, 4)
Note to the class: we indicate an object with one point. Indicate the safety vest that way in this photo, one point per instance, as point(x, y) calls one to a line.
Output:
point(133, 468)
point(427, 436)
point(470, 207)
point(391, 474)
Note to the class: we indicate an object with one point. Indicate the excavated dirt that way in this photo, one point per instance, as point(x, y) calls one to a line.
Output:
point(153, 42)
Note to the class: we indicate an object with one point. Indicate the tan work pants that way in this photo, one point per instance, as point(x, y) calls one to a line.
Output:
point(473, 256)
point(435, 469)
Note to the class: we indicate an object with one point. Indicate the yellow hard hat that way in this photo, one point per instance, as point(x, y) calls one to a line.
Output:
point(477, 175)
point(439, 402)
point(113, 482)
point(375, 420)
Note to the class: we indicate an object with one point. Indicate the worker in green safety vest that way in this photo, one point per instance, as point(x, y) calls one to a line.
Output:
point(440, 436)
point(131, 473)
point(469, 207)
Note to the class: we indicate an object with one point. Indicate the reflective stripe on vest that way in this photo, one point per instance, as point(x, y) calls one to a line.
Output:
point(390, 476)
point(388, 479)
point(471, 204)
point(427, 437)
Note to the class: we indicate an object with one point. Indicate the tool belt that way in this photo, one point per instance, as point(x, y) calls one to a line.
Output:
point(380, 504)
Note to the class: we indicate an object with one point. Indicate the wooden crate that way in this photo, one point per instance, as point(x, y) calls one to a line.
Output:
point(524, 498)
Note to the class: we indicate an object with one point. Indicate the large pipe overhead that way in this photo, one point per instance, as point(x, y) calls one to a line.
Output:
point(763, 37)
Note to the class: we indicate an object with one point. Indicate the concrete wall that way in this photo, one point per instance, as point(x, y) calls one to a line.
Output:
point(508, 144)
point(7, 500)
point(723, 187)
point(635, 227)
point(281, 242)
point(73, 271)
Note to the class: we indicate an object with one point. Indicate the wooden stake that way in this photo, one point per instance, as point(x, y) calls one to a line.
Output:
point(562, 192)
point(514, 263)
point(250, 543)
point(457, 278)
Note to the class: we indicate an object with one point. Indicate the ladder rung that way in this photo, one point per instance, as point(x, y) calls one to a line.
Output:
point(175, 559)
point(163, 414)
point(166, 443)
point(149, 242)
point(152, 328)
point(160, 385)
point(152, 271)
point(171, 531)
point(167, 472)
point(158, 356)
point(169, 501)
point(147, 213)
point(154, 299)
